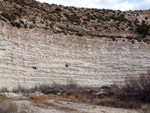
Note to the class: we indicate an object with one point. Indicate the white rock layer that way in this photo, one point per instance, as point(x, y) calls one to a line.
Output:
point(30, 57)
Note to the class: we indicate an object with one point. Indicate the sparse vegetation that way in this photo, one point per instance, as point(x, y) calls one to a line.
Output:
point(133, 94)
point(73, 18)
point(9, 16)
point(6, 105)
point(24, 13)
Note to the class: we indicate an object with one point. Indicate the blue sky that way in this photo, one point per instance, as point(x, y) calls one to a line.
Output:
point(106, 4)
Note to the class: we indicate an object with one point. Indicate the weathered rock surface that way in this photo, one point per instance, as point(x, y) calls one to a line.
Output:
point(30, 57)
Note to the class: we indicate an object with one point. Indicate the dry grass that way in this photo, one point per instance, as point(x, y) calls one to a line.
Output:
point(106, 101)
point(42, 101)
point(145, 108)
point(38, 99)
point(112, 102)
point(6, 105)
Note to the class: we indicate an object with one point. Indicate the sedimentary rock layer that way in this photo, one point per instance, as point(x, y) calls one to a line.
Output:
point(30, 57)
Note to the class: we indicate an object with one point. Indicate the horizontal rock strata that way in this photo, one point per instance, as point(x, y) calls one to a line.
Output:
point(30, 57)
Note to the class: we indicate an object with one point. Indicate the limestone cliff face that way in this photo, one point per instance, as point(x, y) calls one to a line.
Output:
point(30, 57)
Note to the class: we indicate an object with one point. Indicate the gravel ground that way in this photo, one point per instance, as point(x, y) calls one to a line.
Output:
point(61, 106)
point(68, 107)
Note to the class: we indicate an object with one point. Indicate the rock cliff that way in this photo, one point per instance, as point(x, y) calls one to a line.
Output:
point(30, 57)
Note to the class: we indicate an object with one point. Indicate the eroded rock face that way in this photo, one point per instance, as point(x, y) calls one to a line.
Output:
point(30, 57)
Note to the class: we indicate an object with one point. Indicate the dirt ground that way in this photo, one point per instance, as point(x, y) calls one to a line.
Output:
point(54, 105)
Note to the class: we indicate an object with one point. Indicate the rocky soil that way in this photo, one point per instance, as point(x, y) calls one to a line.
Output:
point(59, 105)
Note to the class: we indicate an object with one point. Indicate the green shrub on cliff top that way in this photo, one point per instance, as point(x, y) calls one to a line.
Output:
point(143, 29)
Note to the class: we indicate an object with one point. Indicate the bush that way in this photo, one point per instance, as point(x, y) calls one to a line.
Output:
point(136, 89)
point(58, 9)
point(19, 89)
point(143, 29)
point(73, 18)
point(16, 24)
point(9, 16)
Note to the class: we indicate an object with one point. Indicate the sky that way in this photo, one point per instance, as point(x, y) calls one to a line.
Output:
point(104, 4)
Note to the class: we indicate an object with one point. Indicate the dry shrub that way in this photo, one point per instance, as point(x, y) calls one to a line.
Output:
point(112, 102)
point(43, 88)
point(136, 89)
point(96, 101)
point(6, 105)
point(83, 99)
point(55, 88)
point(38, 99)
point(51, 96)
point(135, 92)
point(19, 89)
point(145, 108)
point(71, 84)
point(72, 98)
point(9, 15)
point(69, 97)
